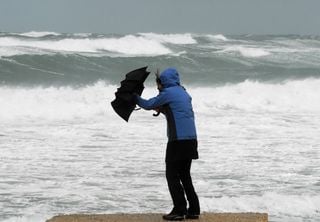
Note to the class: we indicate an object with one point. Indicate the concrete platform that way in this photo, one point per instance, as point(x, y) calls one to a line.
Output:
point(208, 217)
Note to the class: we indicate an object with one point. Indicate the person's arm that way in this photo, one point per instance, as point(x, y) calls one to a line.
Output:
point(154, 102)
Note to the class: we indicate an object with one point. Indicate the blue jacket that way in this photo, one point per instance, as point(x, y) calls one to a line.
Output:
point(175, 103)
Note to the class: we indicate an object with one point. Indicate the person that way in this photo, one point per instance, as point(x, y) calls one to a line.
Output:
point(175, 103)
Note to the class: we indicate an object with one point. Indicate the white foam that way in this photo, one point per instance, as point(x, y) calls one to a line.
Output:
point(287, 207)
point(81, 34)
point(179, 39)
point(54, 103)
point(12, 51)
point(247, 51)
point(38, 34)
point(133, 45)
point(73, 148)
point(128, 45)
point(219, 37)
point(291, 96)
point(271, 203)
point(68, 103)
point(27, 218)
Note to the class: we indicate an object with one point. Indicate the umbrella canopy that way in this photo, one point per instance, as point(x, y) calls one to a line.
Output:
point(125, 101)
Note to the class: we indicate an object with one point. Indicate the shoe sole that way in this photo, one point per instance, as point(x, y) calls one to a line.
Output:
point(174, 219)
point(192, 217)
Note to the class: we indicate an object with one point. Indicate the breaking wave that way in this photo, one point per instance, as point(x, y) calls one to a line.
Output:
point(143, 44)
point(179, 39)
point(38, 34)
point(291, 96)
point(201, 52)
point(247, 51)
point(128, 45)
point(86, 102)
point(217, 37)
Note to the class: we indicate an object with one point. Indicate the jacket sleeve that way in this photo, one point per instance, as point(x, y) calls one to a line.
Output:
point(159, 100)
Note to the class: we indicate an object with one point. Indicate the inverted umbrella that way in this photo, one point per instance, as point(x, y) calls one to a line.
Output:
point(125, 101)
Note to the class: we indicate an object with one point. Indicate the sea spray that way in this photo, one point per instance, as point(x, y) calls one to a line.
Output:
point(92, 100)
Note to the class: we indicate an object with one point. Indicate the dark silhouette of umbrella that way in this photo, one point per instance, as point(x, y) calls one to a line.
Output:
point(125, 101)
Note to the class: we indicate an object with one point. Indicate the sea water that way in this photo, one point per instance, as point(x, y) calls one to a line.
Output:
point(64, 150)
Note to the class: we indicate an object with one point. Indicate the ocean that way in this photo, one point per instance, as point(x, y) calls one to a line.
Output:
point(63, 149)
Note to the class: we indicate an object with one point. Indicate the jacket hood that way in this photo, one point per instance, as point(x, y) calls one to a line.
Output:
point(169, 77)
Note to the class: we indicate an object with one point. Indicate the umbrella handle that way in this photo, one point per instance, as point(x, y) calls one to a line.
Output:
point(156, 114)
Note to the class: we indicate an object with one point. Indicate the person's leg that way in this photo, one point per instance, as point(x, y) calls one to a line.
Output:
point(175, 187)
point(185, 177)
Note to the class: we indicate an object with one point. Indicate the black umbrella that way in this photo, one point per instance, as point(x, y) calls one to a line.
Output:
point(125, 101)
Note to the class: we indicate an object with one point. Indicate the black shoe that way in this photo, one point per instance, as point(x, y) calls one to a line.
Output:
point(192, 216)
point(173, 216)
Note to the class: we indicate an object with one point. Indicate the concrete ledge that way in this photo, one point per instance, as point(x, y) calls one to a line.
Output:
point(210, 217)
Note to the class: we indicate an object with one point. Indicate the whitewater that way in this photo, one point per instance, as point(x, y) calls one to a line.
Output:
point(64, 150)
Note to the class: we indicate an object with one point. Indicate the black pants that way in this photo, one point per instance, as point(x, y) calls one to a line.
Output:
point(180, 184)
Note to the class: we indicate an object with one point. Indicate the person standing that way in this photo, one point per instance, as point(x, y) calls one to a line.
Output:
point(182, 147)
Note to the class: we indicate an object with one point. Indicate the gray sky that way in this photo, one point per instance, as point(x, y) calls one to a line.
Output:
point(162, 16)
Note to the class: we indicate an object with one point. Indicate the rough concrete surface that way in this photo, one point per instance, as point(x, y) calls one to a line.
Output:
point(208, 217)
